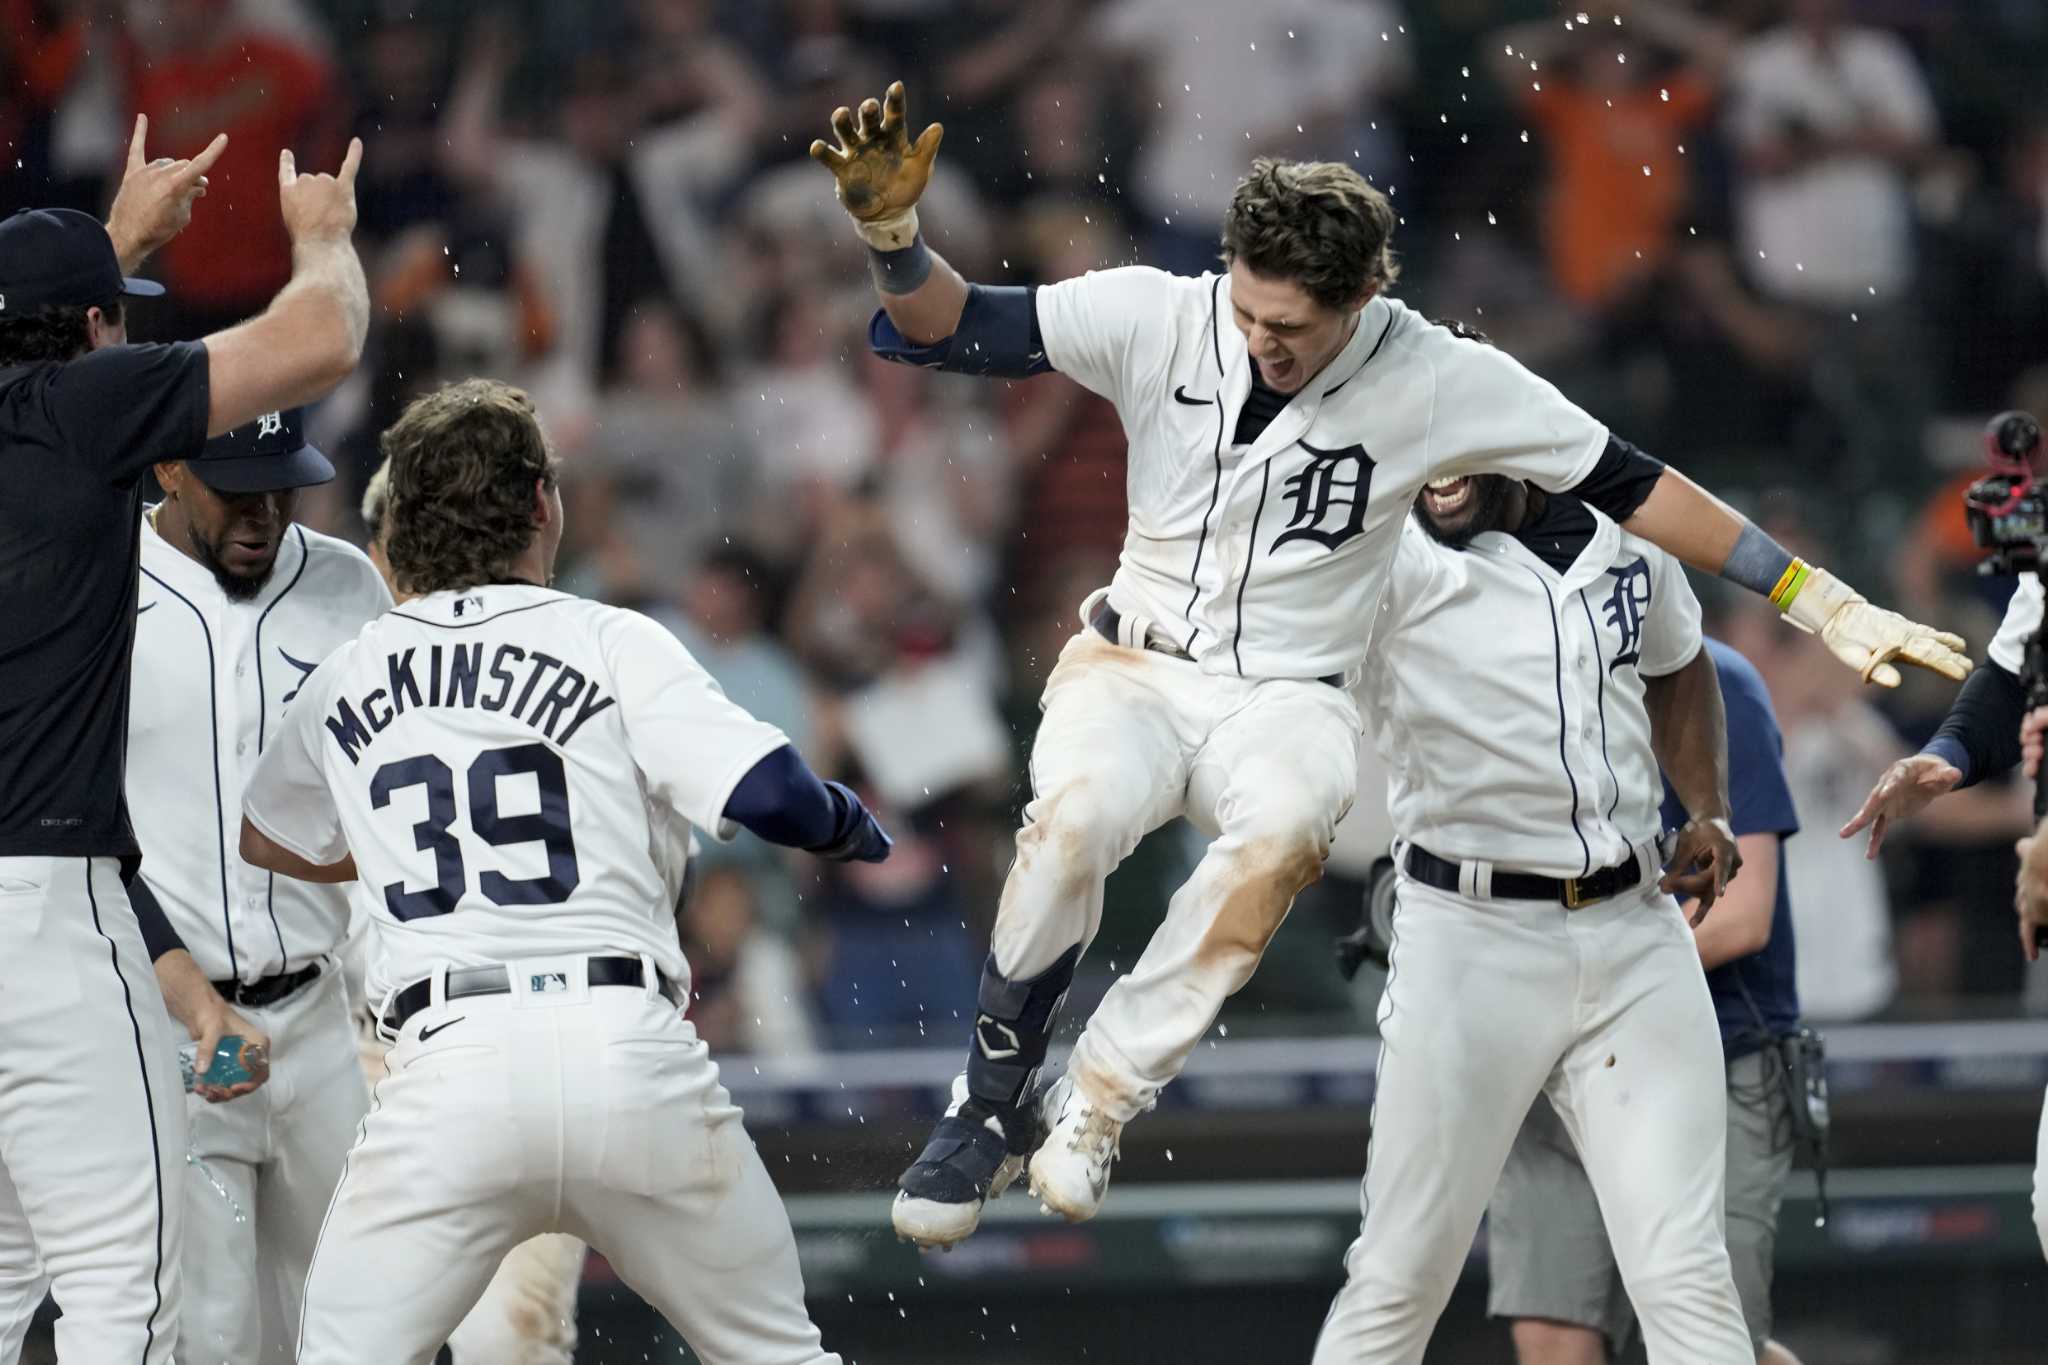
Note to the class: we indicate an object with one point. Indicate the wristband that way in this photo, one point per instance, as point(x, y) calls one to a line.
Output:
point(891, 232)
point(901, 271)
point(1794, 578)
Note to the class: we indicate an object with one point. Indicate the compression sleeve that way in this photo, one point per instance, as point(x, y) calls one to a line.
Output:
point(998, 336)
point(1981, 734)
point(783, 801)
point(157, 934)
point(1621, 481)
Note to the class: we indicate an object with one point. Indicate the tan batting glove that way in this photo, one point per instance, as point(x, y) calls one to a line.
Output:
point(879, 170)
point(1864, 637)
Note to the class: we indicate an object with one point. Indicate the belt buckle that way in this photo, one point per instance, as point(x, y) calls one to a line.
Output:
point(1576, 897)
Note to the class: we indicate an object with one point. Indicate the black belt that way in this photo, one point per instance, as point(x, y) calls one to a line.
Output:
point(271, 989)
point(1573, 893)
point(464, 982)
point(1107, 622)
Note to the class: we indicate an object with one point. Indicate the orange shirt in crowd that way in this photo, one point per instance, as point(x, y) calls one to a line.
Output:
point(265, 95)
point(1601, 209)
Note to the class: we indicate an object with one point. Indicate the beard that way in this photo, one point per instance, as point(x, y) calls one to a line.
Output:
point(1488, 512)
point(238, 587)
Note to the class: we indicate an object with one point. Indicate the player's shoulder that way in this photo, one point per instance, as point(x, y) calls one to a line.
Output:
point(1146, 291)
point(340, 567)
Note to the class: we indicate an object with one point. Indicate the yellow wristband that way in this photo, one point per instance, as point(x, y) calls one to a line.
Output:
point(1795, 576)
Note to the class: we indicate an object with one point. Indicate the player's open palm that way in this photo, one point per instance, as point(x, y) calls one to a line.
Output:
point(318, 207)
point(154, 203)
point(879, 170)
point(2032, 732)
point(1904, 790)
point(1702, 864)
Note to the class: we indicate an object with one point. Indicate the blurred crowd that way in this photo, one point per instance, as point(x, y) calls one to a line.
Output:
point(1797, 247)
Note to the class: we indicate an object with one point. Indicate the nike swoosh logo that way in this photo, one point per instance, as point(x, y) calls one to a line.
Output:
point(144, 607)
point(1180, 395)
point(427, 1033)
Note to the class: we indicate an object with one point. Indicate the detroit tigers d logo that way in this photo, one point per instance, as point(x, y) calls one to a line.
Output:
point(1625, 609)
point(1331, 479)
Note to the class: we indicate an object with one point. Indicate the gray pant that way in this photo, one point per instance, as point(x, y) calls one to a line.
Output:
point(1547, 1249)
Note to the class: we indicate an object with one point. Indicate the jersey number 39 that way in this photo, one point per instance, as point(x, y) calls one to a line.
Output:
point(549, 825)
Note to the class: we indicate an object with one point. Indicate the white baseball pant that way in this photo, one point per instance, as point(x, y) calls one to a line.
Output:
point(527, 1315)
point(555, 1108)
point(92, 1119)
point(2041, 1179)
point(259, 1175)
point(1605, 1010)
point(1130, 739)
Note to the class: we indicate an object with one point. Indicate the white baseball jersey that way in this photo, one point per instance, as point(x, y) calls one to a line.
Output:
point(1507, 698)
point(1268, 560)
point(214, 679)
point(2022, 618)
point(517, 772)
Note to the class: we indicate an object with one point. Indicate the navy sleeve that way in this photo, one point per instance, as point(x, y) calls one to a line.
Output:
point(122, 409)
point(783, 801)
point(157, 934)
point(1981, 733)
point(998, 336)
point(1621, 481)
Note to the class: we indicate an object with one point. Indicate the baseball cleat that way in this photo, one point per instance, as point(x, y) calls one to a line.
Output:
point(1070, 1172)
point(968, 1161)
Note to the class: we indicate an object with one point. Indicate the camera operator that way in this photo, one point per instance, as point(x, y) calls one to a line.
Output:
point(1983, 733)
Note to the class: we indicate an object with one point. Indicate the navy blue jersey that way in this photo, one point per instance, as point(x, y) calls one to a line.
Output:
point(1759, 988)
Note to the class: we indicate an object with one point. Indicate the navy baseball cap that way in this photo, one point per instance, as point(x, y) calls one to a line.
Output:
point(60, 258)
point(267, 455)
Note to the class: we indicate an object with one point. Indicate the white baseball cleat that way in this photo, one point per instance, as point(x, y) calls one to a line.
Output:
point(1070, 1171)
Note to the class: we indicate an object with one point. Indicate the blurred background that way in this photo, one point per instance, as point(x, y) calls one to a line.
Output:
point(1797, 247)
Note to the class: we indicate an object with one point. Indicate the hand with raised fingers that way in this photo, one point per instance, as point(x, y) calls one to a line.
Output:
point(154, 203)
point(1903, 791)
point(880, 172)
point(319, 207)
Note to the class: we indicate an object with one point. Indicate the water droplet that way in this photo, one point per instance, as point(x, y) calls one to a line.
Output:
point(1583, 17)
point(1490, 218)
point(1169, 1153)
point(1646, 170)
point(1664, 95)
point(1255, 47)
point(1466, 72)
point(1621, 58)
point(1525, 135)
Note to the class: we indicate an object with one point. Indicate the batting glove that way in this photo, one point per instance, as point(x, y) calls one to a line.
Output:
point(880, 172)
point(1864, 637)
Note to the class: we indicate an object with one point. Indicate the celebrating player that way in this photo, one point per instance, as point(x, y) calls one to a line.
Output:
point(1551, 1265)
point(1281, 417)
point(90, 1116)
point(1537, 951)
point(517, 772)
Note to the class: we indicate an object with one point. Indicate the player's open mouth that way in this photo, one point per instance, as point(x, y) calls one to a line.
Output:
point(1446, 497)
point(1278, 373)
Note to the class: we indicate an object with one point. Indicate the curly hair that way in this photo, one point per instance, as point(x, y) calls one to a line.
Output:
point(51, 334)
point(464, 461)
point(1315, 223)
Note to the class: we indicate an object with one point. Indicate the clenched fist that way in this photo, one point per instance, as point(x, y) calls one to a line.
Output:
point(879, 170)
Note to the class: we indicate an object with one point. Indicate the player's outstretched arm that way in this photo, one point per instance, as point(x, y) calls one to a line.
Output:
point(311, 336)
point(1706, 533)
point(881, 174)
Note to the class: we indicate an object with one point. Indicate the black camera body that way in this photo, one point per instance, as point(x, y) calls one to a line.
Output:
point(2007, 511)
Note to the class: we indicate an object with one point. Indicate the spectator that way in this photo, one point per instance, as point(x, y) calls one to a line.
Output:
point(204, 67)
point(747, 989)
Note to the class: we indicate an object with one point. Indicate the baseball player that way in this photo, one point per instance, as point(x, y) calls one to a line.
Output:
point(91, 1121)
point(527, 1315)
point(1281, 418)
point(1552, 1269)
point(515, 774)
point(1982, 737)
point(1531, 665)
point(238, 604)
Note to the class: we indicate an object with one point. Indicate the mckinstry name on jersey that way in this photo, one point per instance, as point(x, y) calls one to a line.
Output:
point(515, 680)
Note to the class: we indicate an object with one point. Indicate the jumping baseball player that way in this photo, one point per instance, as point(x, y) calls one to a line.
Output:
point(515, 774)
point(1281, 418)
point(1531, 665)
point(238, 605)
point(527, 1315)
point(1982, 737)
point(1552, 1269)
point(92, 1124)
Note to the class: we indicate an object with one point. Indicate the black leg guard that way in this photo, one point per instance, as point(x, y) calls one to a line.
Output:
point(1012, 1026)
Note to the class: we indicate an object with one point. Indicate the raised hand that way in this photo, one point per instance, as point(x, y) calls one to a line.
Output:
point(154, 203)
point(879, 171)
point(319, 207)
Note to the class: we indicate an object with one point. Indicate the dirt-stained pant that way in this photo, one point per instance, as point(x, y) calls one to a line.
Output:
point(1131, 739)
point(1605, 1010)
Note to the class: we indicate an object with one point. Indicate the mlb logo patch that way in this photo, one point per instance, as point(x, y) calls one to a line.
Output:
point(463, 604)
point(542, 982)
